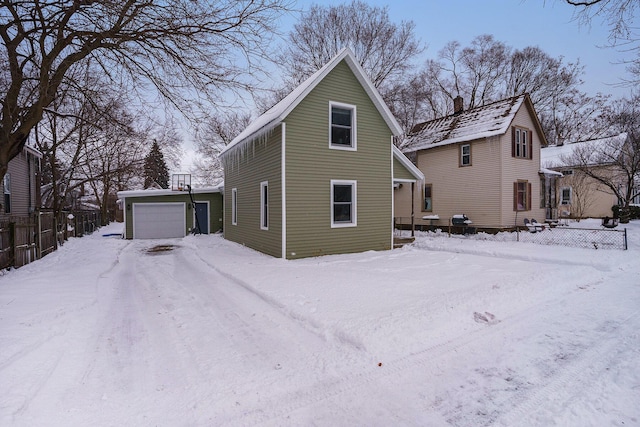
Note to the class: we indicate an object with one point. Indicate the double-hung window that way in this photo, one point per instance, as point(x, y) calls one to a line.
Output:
point(521, 196)
point(7, 193)
point(234, 206)
point(565, 196)
point(264, 205)
point(521, 146)
point(343, 203)
point(465, 155)
point(342, 126)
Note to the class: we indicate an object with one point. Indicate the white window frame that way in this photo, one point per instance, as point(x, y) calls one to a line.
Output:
point(562, 199)
point(354, 121)
point(354, 204)
point(234, 206)
point(264, 205)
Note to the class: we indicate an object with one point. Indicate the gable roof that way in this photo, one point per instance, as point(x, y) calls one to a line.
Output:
point(561, 155)
point(404, 161)
point(481, 122)
point(276, 114)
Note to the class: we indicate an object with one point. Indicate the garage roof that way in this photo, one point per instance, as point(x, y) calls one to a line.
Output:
point(155, 192)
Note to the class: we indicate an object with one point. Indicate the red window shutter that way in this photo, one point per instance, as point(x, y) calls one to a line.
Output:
point(528, 196)
point(513, 142)
point(515, 196)
point(530, 145)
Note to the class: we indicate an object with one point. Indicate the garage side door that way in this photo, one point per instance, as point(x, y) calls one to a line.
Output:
point(158, 220)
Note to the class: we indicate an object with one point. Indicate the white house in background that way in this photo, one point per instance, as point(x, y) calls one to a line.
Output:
point(579, 195)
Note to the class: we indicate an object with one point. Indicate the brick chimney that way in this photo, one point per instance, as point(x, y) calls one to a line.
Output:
point(458, 105)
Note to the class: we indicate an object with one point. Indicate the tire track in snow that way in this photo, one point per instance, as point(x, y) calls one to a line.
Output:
point(576, 376)
point(272, 409)
point(30, 348)
point(309, 324)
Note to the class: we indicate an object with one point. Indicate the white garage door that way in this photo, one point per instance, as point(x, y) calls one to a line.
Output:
point(158, 220)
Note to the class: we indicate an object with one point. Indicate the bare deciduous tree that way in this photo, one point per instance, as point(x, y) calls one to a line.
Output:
point(615, 162)
point(488, 70)
point(173, 45)
point(211, 138)
point(384, 49)
point(621, 16)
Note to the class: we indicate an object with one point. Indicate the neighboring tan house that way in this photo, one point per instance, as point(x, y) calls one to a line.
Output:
point(483, 163)
point(20, 188)
point(314, 175)
point(578, 195)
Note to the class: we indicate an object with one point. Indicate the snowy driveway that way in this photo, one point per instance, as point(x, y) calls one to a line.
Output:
point(447, 332)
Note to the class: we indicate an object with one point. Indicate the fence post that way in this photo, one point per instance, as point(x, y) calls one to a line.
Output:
point(39, 249)
point(12, 244)
point(625, 239)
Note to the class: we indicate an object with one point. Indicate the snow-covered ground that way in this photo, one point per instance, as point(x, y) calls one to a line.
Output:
point(444, 332)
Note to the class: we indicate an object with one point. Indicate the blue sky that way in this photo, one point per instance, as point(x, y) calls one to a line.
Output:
point(518, 23)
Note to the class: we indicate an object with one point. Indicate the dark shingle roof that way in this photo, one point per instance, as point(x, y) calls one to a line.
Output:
point(480, 122)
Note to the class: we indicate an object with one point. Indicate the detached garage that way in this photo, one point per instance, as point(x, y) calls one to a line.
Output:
point(161, 214)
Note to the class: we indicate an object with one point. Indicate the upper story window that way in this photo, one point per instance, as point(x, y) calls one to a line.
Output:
point(343, 126)
point(465, 155)
point(521, 146)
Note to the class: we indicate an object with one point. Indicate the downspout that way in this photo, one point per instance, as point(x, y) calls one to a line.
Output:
point(283, 186)
point(413, 192)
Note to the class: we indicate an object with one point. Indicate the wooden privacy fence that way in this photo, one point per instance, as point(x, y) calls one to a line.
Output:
point(25, 239)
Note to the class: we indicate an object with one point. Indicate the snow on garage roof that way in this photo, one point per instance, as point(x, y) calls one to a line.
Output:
point(154, 192)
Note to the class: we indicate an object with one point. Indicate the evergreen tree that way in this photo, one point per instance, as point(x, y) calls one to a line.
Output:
point(155, 168)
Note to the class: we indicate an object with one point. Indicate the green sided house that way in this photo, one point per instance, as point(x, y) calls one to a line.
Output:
point(159, 214)
point(314, 175)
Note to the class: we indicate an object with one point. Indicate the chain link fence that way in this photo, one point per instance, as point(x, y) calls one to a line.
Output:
point(591, 238)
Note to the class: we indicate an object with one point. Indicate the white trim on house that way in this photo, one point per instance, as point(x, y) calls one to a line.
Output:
point(276, 114)
point(563, 201)
point(413, 169)
point(354, 203)
point(393, 186)
point(234, 206)
point(154, 192)
point(354, 127)
point(284, 191)
point(264, 205)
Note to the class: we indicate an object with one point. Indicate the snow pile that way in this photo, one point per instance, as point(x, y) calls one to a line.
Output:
point(445, 332)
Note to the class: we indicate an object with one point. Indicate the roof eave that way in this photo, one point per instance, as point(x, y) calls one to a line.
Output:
point(347, 55)
point(413, 169)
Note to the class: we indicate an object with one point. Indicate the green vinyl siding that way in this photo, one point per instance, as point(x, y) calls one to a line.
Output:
point(246, 167)
point(311, 165)
point(401, 172)
point(215, 208)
